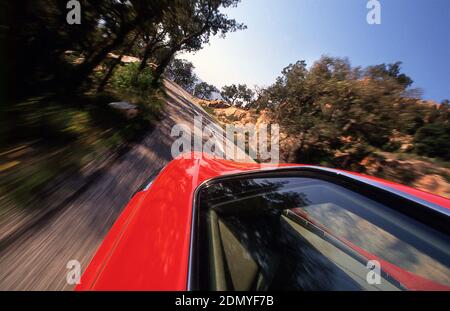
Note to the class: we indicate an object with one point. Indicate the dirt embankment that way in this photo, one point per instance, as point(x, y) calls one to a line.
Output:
point(404, 167)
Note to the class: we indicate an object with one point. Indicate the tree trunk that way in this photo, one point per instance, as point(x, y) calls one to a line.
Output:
point(166, 60)
point(147, 53)
point(89, 65)
point(163, 65)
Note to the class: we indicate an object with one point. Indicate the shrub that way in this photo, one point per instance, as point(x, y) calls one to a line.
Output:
point(128, 77)
point(433, 140)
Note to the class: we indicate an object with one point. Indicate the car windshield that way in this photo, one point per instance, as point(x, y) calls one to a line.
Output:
point(301, 233)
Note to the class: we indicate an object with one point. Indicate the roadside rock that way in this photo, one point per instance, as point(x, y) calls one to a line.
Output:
point(219, 104)
point(235, 112)
point(216, 104)
point(125, 59)
point(129, 110)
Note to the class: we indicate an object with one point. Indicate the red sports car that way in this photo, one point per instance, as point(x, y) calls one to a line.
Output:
point(211, 224)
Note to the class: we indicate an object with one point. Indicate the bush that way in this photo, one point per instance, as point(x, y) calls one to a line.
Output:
point(433, 140)
point(314, 155)
point(128, 77)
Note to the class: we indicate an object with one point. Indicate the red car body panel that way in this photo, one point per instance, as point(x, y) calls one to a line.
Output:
point(148, 246)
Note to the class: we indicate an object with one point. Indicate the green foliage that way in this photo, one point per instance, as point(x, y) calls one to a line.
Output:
point(161, 28)
point(181, 72)
point(55, 66)
point(237, 94)
point(433, 140)
point(229, 92)
point(333, 107)
point(390, 71)
point(129, 77)
point(70, 132)
point(204, 90)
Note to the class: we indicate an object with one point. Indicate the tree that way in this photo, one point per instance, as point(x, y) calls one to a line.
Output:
point(245, 94)
point(204, 90)
point(433, 140)
point(190, 24)
point(40, 26)
point(181, 72)
point(119, 19)
point(262, 99)
point(334, 108)
point(390, 71)
point(116, 61)
point(237, 94)
point(153, 30)
point(229, 92)
point(152, 41)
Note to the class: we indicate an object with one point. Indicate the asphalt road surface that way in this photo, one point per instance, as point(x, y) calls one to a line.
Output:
point(36, 260)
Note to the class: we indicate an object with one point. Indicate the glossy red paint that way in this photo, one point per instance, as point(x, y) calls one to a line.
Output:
point(438, 200)
point(148, 246)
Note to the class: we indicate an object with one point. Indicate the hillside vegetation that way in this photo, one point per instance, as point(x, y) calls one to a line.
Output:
point(60, 79)
point(361, 119)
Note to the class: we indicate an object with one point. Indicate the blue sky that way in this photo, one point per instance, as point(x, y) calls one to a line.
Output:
point(416, 32)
